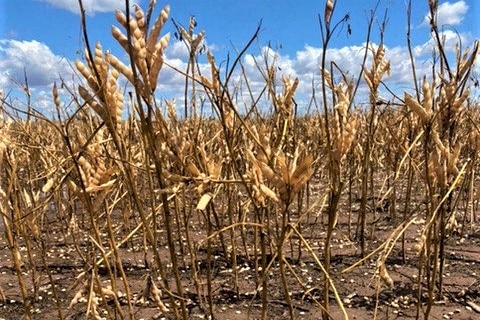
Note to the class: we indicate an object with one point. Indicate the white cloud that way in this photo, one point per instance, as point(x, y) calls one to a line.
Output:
point(171, 77)
point(41, 65)
point(177, 50)
point(449, 13)
point(449, 38)
point(308, 59)
point(90, 6)
point(305, 64)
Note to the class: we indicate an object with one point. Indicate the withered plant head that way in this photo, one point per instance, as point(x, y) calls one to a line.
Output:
point(144, 47)
point(380, 66)
point(104, 97)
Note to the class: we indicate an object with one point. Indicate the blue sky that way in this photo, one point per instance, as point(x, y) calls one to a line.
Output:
point(44, 37)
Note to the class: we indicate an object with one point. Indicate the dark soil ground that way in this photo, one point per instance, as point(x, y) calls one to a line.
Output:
point(357, 288)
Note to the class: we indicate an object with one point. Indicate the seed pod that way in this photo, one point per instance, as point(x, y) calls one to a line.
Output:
point(140, 17)
point(56, 98)
point(268, 192)
point(121, 18)
point(417, 108)
point(120, 67)
point(47, 186)
point(427, 95)
point(82, 69)
point(419, 246)
point(120, 37)
point(157, 27)
point(328, 11)
point(387, 280)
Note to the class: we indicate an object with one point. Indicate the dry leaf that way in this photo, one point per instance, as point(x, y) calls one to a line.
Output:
point(193, 170)
point(268, 192)
point(100, 187)
point(385, 276)
point(302, 174)
point(203, 202)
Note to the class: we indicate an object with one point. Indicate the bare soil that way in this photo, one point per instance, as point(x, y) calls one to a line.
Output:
point(357, 288)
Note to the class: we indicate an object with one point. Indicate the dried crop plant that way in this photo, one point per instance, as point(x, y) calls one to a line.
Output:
point(10, 211)
point(88, 176)
point(194, 44)
point(145, 50)
point(339, 132)
point(441, 113)
point(373, 76)
point(342, 134)
point(282, 171)
point(261, 164)
point(21, 206)
point(472, 149)
point(274, 166)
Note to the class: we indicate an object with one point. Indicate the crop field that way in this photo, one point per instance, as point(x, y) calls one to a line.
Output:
point(258, 212)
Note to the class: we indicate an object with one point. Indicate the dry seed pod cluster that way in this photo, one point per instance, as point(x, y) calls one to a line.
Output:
point(94, 171)
point(287, 174)
point(173, 138)
point(31, 218)
point(105, 97)
point(145, 48)
point(260, 190)
point(451, 104)
point(194, 41)
point(150, 290)
point(380, 67)
point(466, 60)
point(213, 84)
point(423, 110)
point(443, 162)
point(211, 168)
point(94, 296)
point(284, 101)
point(216, 91)
point(344, 130)
point(343, 93)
